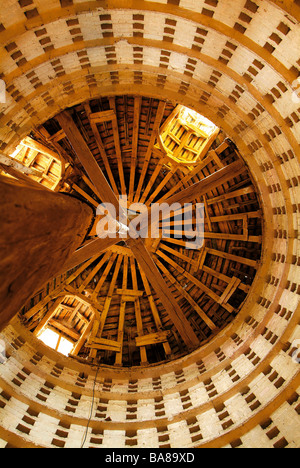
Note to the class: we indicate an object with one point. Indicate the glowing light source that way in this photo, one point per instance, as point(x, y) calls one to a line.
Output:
point(55, 341)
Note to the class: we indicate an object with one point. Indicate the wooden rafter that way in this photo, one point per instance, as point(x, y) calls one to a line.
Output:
point(200, 188)
point(158, 119)
point(155, 312)
point(46, 319)
point(95, 247)
point(88, 161)
point(120, 339)
point(164, 294)
point(95, 340)
point(208, 184)
point(184, 294)
point(104, 276)
point(93, 123)
point(135, 140)
point(137, 308)
point(194, 280)
point(93, 273)
point(118, 151)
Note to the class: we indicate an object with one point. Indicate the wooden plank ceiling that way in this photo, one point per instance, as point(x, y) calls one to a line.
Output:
point(129, 302)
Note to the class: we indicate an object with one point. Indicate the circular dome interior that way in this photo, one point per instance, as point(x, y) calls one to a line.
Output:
point(150, 150)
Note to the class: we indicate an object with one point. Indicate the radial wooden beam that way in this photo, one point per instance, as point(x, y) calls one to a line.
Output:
point(119, 356)
point(22, 177)
point(93, 273)
point(152, 338)
point(158, 119)
point(212, 156)
point(208, 184)
point(110, 295)
point(93, 124)
point(226, 279)
point(118, 152)
point(58, 292)
point(154, 310)
point(18, 166)
point(91, 200)
point(162, 184)
point(178, 254)
point(88, 161)
point(229, 195)
point(103, 277)
point(135, 140)
point(138, 314)
point(205, 289)
point(185, 180)
point(165, 296)
point(79, 270)
point(46, 319)
point(95, 247)
point(234, 258)
point(187, 296)
point(84, 336)
point(95, 340)
point(152, 180)
point(196, 190)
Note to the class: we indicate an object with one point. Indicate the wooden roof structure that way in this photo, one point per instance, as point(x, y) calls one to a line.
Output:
point(129, 302)
point(41, 163)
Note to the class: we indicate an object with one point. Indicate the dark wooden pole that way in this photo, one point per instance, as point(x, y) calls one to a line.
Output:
point(39, 231)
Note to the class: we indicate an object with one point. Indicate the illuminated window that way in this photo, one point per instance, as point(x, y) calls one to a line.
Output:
point(186, 137)
point(50, 338)
point(65, 346)
point(56, 341)
point(37, 161)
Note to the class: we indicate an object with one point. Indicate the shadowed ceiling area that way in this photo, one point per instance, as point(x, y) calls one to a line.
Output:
point(170, 347)
point(107, 306)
